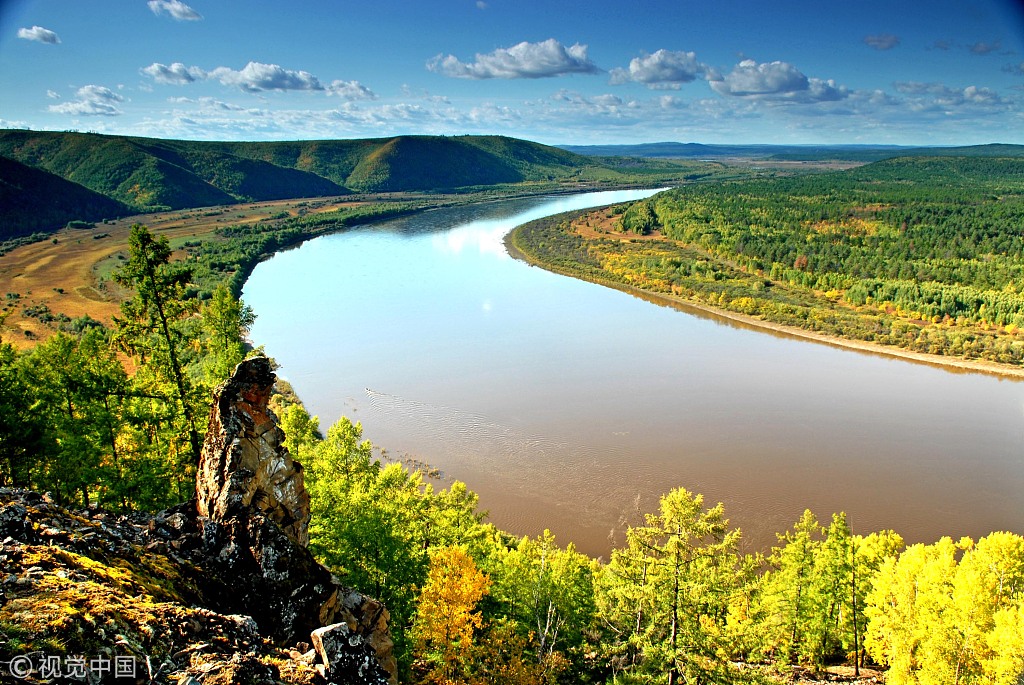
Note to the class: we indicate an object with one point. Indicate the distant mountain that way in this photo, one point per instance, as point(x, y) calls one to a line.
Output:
point(33, 200)
point(853, 153)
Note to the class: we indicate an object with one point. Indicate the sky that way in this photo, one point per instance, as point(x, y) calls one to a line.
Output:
point(910, 72)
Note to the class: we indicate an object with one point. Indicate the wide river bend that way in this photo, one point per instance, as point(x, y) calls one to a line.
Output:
point(568, 405)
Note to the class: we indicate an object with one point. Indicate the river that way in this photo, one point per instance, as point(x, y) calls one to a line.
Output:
point(570, 406)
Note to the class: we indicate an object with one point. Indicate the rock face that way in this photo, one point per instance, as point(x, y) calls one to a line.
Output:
point(220, 590)
point(243, 463)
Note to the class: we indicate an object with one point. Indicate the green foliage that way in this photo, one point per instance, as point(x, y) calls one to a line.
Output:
point(382, 551)
point(145, 174)
point(548, 592)
point(639, 218)
point(921, 254)
point(24, 443)
point(666, 595)
point(33, 200)
point(154, 328)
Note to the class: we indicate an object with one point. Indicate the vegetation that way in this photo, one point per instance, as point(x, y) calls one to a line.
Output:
point(129, 175)
point(77, 424)
point(923, 254)
point(470, 603)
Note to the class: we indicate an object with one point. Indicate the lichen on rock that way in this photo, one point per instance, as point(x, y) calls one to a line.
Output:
point(218, 590)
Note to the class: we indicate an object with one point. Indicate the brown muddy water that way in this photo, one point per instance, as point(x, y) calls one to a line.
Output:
point(570, 406)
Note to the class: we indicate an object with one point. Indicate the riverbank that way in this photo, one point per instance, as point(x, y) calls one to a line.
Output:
point(46, 284)
point(523, 252)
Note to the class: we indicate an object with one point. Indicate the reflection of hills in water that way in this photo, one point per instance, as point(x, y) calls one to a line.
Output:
point(589, 480)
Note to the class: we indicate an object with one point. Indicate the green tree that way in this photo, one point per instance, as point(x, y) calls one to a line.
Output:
point(80, 385)
point(153, 327)
point(24, 440)
point(548, 591)
point(225, 323)
point(367, 524)
point(666, 596)
point(789, 601)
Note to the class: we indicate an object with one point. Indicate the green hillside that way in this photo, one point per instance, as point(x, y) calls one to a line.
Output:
point(34, 200)
point(149, 174)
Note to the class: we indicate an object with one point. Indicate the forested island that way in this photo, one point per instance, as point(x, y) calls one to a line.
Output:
point(917, 254)
point(923, 254)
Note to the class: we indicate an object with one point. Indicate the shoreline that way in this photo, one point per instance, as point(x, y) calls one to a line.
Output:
point(951, 364)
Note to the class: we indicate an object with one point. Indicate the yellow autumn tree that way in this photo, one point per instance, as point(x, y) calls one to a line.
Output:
point(445, 618)
point(936, 620)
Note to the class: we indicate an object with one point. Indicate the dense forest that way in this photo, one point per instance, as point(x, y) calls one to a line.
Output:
point(923, 254)
point(114, 417)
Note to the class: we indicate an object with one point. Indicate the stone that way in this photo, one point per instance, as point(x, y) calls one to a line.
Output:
point(347, 657)
point(243, 463)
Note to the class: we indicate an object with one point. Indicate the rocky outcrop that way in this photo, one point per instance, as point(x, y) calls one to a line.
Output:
point(244, 463)
point(220, 590)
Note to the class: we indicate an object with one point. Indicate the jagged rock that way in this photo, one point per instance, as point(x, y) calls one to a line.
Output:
point(215, 590)
point(347, 657)
point(243, 463)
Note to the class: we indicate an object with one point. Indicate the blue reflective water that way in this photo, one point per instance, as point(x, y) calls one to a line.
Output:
point(565, 403)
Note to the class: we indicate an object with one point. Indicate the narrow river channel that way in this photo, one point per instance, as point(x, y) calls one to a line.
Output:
point(571, 406)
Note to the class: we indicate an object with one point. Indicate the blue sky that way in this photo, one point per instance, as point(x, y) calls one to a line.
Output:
point(596, 72)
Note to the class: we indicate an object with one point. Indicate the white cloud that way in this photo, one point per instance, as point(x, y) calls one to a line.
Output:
point(882, 41)
point(39, 35)
point(663, 69)
point(53, 95)
point(525, 60)
point(176, 74)
point(256, 76)
point(91, 100)
point(350, 90)
point(775, 82)
point(208, 103)
point(175, 8)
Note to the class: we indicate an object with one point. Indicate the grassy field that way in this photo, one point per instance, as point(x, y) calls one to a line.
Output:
point(70, 276)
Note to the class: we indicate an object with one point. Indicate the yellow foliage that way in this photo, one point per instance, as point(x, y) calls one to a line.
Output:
point(445, 619)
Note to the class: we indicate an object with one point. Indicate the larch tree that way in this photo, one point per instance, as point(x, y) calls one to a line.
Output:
point(151, 325)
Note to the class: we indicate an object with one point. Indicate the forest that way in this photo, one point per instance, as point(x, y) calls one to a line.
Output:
point(922, 254)
point(114, 416)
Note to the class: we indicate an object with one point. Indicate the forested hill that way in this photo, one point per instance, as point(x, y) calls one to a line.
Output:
point(851, 153)
point(34, 200)
point(148, 174)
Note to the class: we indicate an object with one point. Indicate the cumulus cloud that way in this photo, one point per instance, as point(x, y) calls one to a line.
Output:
point(39, 35)
point(256, 76)
point(925, 97)
point(882, 41)
point(53, 95)
point(525, 60)
point(663, 69)
point(174, 8)
point(176, 74)
point(91, 100)
point(775, 81)
point(350, 90)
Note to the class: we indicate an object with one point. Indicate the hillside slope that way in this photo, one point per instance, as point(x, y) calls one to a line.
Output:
point(148, 174)
point(34, 200)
